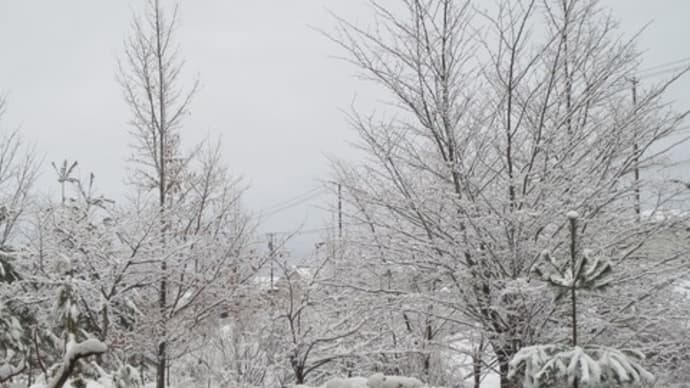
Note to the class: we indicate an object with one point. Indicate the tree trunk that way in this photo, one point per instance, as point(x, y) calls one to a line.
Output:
point(299, 374)
point(429, 336)
point(160, 366)
point(162, 345)
point(504, 356)
point(477, 364)
point(297, 368)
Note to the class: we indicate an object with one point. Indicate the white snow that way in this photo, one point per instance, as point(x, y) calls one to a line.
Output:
point(89, 346)
point(75, 351)
point(350, 382)
point(378, 380)
point(7, 370)
point(89, 384)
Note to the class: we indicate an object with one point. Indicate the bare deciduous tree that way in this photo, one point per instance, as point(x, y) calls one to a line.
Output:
point(202, 230)
point(318, 326)
point(503, 120)
point(18, 173)
point(149, 76)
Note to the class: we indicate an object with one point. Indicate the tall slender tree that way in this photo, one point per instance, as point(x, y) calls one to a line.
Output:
point(200, 244)
point(150, 75)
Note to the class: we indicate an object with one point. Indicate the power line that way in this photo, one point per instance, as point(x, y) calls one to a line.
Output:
point(663, 65)
point(309, 231)
point(321, 229)
point(292, 199)
point(291, 204)
point(666, 71)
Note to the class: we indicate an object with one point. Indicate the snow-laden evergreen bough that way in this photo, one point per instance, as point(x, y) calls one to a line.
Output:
point(73, 352)
point(550, 365)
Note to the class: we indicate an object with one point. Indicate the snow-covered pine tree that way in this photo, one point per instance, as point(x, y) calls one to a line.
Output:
point(550, 365)
point(71, 282)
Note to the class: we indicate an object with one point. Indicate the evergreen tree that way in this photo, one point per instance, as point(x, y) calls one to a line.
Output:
point(550, 365)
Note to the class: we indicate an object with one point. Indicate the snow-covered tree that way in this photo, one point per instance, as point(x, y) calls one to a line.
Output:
point(239, 349)
point(43, 325)
point(197, 244)
point(403, 331)
point(315, 325)
point(501, 117)
point(71, 249)
point(18, 172)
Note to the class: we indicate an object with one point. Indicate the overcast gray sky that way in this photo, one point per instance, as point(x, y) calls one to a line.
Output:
point(269, 87)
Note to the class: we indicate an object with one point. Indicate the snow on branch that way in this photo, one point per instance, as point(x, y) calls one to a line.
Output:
point(75, 352)
point(596, 366)
point(7, 371)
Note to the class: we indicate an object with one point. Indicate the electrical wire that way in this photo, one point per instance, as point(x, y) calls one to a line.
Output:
point(310, 231)
point(296, 197)
point(674, 63)
point(292, 202)
point(291, 205)
point(321, 229)
point(662, 72)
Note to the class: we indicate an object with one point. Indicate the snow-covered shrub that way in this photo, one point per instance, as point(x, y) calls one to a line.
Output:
point(350, 382)
point(127, 377)
point(379, 380)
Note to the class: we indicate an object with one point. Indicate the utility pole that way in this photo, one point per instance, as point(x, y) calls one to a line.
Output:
point(340, 207)
point(340, 210)
point(636, 156)
point(271, 252)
